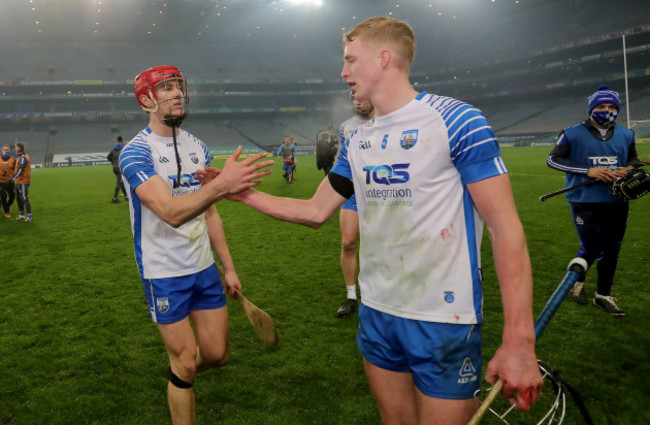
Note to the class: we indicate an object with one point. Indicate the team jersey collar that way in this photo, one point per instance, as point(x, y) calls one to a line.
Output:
point(421, 95)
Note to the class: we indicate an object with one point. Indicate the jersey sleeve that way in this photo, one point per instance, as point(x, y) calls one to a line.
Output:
point(558, 158)
point(473, 146)
point(20, 167)
point(207, 158)
point(136, 163)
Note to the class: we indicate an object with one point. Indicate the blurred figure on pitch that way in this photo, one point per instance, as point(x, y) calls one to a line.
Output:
point(23, 178)
point(348, 217)
point(7, 170)
point(176, 228)
point(326, 150)
point(600, 149)
point(427, 174)
point(287, 153)
point(114, 157)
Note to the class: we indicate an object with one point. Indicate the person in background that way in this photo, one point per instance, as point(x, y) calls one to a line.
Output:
point(600, 149)
point(176, 228)
point(427, 175)
point(114, 157)
point(287, 153)
point(23, 178)
point(348, 217)
point(7, 170)
point(326, 150)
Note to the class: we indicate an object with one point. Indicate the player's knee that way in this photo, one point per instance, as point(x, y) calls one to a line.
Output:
point(349, 245)
point(215, 358)
point(183, 378)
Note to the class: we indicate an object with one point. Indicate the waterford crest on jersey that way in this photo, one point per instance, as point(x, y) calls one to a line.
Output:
point(420, 231)
point(160, 250)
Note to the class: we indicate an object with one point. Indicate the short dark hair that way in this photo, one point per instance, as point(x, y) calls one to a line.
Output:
point(20, 146)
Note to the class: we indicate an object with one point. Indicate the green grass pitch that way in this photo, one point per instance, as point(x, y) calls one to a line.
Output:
point(77, 346)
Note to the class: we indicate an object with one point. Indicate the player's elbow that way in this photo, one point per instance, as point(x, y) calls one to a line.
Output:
point(176, 224)
point(550, 162)
point(173, 222)
point(314, 224)
point(316, 220)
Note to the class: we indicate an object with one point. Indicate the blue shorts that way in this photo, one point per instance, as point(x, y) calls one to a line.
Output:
point(444, 359)
point(350, 204)
point(171, 299)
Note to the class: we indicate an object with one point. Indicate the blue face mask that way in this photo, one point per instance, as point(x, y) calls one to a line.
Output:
point(5, 154)
point(604, 118)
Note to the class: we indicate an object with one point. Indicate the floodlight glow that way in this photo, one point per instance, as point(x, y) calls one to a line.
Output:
point(314, 2)
point(317, 3)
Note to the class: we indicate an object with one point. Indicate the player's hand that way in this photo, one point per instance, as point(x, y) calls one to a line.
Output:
point(236, 176)
point(602, 174)
point(517, 367)
point(206, 175)
point(238, 197)
point(621, 171)
point(231, 283)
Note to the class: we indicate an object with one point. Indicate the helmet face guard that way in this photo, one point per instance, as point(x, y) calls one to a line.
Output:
point(145, 83)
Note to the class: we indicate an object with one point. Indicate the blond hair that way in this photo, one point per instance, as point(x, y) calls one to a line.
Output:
point(385, 29)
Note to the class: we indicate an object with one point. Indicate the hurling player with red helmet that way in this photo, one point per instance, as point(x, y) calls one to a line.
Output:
point(176, 228)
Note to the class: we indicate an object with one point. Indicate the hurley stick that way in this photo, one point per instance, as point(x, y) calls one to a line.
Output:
point(576, 271)
point(261, 321)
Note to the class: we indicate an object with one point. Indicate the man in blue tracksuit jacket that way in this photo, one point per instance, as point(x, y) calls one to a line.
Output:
point(598, 149)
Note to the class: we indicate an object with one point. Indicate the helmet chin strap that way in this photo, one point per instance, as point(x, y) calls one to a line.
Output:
point(174, 121)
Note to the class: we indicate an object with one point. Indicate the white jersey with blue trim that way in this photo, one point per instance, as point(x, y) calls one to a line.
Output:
point(162, 251)
point(348, 127)
point(420, 231)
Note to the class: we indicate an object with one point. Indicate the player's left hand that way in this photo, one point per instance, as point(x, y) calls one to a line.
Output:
point(231, 283)
point(236, 176)
point(517, 367)
point(207, 175)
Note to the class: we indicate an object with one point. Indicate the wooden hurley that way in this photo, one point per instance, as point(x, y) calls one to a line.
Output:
point(261, 321)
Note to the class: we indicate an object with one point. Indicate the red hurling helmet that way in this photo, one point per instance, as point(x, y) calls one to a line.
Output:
point(145, 82)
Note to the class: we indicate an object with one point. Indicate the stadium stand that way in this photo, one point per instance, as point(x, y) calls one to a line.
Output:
point(240, 93)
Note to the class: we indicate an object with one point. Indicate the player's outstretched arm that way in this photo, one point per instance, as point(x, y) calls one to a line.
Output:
point(311, 212)
point(235, 177)
point(515, 362)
